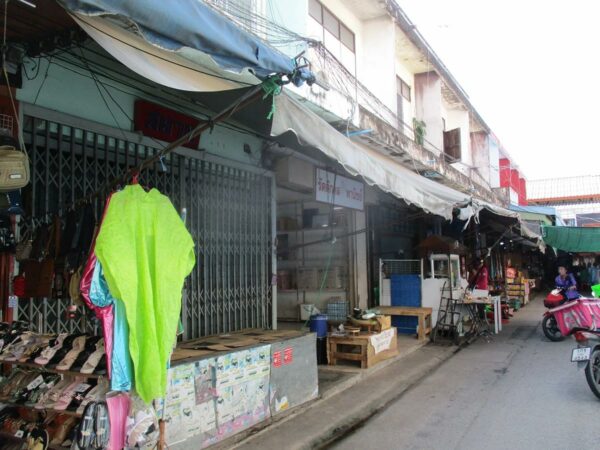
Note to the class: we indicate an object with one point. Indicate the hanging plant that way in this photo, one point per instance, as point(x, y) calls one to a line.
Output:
point(419, 130)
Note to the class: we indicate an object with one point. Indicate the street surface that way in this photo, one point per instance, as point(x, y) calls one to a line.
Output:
point(519, 391)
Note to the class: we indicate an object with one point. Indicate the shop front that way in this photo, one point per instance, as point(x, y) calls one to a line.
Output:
point(105, 295)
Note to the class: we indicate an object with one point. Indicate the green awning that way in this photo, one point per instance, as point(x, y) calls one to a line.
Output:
point(573, 239)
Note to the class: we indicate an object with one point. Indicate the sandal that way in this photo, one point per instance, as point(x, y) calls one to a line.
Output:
point(71, 356)
point(85, 435)
point(101, 426)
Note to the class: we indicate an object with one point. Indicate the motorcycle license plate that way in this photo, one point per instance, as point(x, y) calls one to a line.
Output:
point(581, 354)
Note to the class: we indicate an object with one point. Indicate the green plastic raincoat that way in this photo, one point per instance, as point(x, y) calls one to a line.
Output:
point(146, 253)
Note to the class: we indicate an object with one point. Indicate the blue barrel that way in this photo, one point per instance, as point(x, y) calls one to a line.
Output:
point(318, 324)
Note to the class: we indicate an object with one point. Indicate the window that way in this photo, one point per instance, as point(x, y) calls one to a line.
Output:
point(332, 24)
point(452, 147)
point(315, 10)
point(347, 37)
point(403, 88)
point(399, 103)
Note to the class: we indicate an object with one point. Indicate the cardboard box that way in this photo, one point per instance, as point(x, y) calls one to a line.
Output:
point(385, 322)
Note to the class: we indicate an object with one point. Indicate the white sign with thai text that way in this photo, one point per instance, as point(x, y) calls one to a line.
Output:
point(382, 341)
point(339, 191)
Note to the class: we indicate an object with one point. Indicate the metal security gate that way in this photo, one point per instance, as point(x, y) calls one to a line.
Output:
point(228, 213)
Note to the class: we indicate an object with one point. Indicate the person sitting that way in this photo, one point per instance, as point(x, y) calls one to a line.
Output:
point(566, 281)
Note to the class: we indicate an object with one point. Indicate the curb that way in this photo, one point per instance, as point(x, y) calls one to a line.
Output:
point(271, 424)
point(342, 423)
point(344, 427)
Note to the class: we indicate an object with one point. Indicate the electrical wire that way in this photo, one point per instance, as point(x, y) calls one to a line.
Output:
point(8, 87)
point(136, 90)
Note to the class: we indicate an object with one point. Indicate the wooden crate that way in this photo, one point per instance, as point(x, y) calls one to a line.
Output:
point(358, 348)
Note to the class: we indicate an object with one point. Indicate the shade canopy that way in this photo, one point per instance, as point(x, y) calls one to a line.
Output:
point(573, 239)
point(180, 44)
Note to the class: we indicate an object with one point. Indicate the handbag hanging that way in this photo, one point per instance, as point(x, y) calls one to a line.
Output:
point(23, 248)
point(39, 274)
point(14, 168)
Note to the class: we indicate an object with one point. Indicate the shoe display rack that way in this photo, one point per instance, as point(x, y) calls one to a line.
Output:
point(47, 384)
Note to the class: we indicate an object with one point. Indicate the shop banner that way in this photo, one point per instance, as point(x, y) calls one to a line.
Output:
point(339, 191)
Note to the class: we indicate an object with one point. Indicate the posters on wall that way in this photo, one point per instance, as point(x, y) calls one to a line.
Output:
point(214, 398)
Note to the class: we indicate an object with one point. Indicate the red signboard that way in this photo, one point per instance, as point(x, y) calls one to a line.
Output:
point(522, 192)
point(277, 359)
point(162, 123)
point(514, 180)
point(504, 172)
point(288, 355)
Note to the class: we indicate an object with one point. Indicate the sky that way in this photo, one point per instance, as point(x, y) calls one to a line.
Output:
point(530, 67)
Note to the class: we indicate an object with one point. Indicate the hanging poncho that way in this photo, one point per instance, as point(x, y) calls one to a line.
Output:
point(146, 253)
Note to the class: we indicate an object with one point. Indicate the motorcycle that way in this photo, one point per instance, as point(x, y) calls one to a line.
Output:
point(587, 354)
point(549, 325)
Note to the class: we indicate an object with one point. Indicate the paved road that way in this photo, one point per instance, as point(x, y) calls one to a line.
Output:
point(518, 392)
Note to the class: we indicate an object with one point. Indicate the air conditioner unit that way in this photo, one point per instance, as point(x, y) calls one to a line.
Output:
point(295, 173)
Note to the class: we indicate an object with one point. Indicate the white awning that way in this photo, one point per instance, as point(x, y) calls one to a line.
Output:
point(375, 168)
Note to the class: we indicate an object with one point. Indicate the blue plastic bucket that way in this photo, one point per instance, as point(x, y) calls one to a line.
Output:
point(318, 324)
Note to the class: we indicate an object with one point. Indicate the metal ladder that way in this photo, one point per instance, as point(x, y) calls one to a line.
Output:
point(446, 327)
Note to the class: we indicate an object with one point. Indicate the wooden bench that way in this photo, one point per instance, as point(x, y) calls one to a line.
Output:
point(423, 314)
point(358, 348)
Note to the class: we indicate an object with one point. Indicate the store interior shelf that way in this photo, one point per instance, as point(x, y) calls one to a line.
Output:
point(45, 369)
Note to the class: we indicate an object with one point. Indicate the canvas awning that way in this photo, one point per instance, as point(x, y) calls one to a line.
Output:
point(572, 239)
point(185, 45)
point(296, 126)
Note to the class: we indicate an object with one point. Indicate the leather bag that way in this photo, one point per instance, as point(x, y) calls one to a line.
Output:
point(14, 168)
point(39, 274)
point(23, 249)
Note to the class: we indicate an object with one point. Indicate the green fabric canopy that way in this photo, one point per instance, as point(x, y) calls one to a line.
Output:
point(572, 239)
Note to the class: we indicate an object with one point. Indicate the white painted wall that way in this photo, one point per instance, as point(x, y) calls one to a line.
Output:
point(377, 69)
point(494, 156)
point(428, 105)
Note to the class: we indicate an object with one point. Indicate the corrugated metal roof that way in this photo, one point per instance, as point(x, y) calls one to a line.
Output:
point(560, 188)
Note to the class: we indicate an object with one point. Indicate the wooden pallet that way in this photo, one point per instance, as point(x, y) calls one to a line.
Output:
point(358, 348)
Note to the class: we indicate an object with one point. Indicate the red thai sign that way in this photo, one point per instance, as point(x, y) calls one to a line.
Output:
point(277, 359)
point(162, 123)
point(288, 355)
